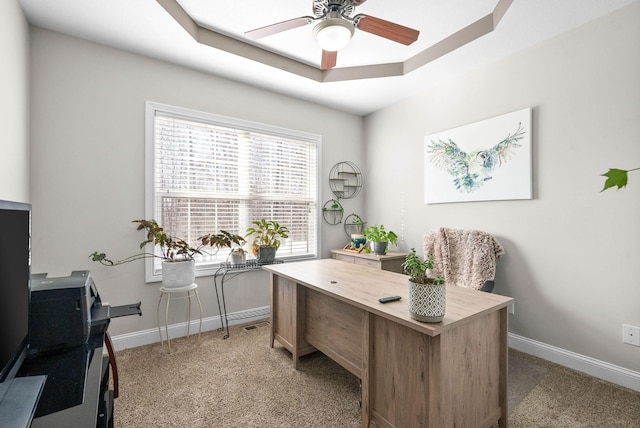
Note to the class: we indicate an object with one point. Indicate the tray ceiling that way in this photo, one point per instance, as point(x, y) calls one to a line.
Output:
point(146, 27)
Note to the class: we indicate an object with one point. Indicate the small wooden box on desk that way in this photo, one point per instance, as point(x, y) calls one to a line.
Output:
point(392, 261)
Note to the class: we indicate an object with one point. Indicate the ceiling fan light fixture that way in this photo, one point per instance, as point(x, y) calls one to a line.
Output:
point(333, 34)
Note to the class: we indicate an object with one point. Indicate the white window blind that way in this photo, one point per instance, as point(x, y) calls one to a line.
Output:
point(207, 173)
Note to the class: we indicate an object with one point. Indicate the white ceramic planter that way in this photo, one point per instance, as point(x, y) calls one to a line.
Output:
point(427, 302)
point(178, 274)
point(238, 258)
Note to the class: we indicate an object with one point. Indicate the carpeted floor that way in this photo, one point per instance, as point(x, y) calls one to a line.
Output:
point(242, 382)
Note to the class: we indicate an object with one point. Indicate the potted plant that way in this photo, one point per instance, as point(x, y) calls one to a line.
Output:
point(355, 229)
point(379, 238)
point(178, 256)
point(266, 239)
point(238, 256)
point(427, 296)
point(230, 240)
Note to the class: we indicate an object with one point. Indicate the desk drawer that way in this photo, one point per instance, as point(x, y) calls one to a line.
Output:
point(367, 262)
point(344, 258)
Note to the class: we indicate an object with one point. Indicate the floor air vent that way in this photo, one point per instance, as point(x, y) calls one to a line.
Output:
point(255, 326)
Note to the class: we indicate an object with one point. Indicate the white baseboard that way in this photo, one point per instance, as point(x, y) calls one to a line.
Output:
point(600, 369)
point(596, 368)
point(146, 337)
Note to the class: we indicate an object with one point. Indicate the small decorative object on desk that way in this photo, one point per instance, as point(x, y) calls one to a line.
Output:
point(427, 296)
point(351, 248)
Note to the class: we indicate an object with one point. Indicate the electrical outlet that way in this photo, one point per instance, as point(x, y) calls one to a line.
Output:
point(631, 334)
point(511, 309)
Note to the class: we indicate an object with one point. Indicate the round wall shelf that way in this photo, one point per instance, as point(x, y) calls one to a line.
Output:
point(345, 180)
point(354, 224)
point(332, 212)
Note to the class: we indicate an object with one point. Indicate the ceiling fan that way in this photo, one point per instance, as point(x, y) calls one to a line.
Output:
point(336, 25)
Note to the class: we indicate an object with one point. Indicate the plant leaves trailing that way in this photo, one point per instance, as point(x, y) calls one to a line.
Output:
point(172, 249)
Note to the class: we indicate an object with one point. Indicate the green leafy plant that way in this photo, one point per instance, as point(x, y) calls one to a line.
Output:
point(379, 234)
point(224, 239)
point(266, 233)
point(417, 269)
point(171, 248)
point(616, 177)
point(357, 220)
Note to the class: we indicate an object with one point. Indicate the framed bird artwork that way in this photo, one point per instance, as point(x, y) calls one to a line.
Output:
point(483, 161)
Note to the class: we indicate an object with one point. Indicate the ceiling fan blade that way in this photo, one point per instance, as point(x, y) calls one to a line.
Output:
point(329, 59)
point(279, 27)
point(388, 30)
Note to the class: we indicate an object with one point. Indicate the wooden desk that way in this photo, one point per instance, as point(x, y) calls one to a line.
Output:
point(413, 374)
point(392, 261)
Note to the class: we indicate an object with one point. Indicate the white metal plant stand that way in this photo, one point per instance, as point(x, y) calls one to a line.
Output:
point(189, 289)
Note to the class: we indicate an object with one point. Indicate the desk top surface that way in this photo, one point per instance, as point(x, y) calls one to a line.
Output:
point(362, 286)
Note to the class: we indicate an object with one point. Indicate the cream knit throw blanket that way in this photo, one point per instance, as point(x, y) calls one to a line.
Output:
point(464, 258)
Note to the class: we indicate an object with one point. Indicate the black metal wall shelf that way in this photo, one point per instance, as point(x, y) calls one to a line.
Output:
point(345, 180)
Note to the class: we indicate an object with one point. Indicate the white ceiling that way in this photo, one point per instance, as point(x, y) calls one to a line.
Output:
point(144, 27)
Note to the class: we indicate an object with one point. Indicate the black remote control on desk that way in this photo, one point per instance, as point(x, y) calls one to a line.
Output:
point(389, 299)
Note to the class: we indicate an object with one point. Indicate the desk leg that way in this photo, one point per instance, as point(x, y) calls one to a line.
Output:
point(288, 317)
point(365, 385)
point(272, 315)
point(298, 322)
point(504, 356)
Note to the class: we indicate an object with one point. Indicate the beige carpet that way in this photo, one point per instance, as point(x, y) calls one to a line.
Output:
point(242, 382)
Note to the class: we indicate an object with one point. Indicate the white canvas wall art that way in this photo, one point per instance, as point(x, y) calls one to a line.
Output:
point(483, 161)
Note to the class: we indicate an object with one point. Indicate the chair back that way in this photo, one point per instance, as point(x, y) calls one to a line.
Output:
point(464, 258)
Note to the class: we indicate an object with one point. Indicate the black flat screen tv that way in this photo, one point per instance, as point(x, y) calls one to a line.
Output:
point(15, 273)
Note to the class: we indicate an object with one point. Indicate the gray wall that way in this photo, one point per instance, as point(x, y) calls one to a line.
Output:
point(87, 124)
point(572, 252)
point(14, 105)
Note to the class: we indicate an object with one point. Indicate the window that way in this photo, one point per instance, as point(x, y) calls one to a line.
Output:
point(207, 173)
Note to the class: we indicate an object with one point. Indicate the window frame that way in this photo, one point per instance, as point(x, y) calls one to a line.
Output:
point(152, 108)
